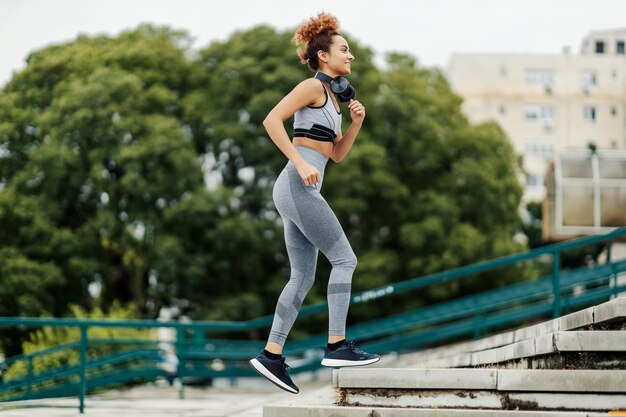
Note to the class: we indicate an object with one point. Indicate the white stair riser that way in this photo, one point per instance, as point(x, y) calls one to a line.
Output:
point(533, 380)
point(484, 399)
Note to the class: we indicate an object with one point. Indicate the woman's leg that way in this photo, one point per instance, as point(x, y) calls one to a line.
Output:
point(321, 227)
point(318, 225)
point(303, 261)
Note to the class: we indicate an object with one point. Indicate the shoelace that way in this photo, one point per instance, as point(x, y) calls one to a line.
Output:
point(285, 366)
point(353, 347)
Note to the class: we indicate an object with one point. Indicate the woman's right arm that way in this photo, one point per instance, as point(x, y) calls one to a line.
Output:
point(302, 95)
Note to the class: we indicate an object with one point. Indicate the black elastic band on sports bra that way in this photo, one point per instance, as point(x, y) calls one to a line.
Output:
point(316, 132)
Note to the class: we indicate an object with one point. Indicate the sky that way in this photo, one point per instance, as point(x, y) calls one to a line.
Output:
point(430, 30)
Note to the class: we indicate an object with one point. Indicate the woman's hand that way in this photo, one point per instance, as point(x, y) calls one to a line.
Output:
point(310, 175)
point(357, 111)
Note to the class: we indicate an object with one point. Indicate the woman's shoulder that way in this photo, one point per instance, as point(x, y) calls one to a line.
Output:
point(311, 90)
point(311, 85)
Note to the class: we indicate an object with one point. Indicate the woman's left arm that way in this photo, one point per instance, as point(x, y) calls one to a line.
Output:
point(344, 144)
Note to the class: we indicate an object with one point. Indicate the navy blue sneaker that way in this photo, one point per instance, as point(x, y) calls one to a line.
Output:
point(348, 355)
point(276, 370)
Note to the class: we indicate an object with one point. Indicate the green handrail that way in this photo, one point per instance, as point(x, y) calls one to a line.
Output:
point(364, 296)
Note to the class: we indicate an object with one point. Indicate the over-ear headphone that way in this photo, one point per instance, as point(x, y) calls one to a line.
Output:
point(338, 85)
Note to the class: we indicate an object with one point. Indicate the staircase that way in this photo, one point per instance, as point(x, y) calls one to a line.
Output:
point(574, 365)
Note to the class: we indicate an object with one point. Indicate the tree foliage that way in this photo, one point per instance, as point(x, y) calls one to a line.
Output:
point(136, 169)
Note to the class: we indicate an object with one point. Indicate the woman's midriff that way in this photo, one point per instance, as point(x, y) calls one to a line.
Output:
point(324, 147)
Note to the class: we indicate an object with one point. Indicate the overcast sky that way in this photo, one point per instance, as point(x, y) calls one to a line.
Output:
point(431, 30)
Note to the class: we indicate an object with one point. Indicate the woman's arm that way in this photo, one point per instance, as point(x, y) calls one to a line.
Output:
point(343, 145)
point(302, 95)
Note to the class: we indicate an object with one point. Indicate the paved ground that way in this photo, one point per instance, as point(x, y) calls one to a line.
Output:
point(160, 401)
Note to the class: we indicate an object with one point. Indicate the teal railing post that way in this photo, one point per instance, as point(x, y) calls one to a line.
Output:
point(556, 283)
point(180, 352)
point(29, 378)
point(82, 386)
point(614, 279)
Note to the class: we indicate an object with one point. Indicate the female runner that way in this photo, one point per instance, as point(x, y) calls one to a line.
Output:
point(309, 222)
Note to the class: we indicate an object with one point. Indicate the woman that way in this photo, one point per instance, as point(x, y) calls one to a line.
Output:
point(309, 222)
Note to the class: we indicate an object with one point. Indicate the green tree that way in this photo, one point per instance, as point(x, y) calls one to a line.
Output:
point(93, 145)
point(137, 165)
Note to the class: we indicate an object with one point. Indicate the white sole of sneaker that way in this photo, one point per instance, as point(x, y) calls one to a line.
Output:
point(340, 362)
point(267, 374)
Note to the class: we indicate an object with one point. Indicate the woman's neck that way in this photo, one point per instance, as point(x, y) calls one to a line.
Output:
point(328, 72)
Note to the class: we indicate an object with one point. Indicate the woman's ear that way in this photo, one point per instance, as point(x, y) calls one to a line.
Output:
point(322, 56)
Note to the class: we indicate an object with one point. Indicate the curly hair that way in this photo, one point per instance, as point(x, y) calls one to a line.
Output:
point(317, 35)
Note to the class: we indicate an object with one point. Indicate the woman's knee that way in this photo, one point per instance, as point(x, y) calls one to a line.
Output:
point(348, 260)
point(307, 282)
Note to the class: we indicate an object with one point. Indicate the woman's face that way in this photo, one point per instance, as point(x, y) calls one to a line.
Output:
point(338, 60)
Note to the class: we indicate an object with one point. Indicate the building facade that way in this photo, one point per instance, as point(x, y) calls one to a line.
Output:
point(548, 103)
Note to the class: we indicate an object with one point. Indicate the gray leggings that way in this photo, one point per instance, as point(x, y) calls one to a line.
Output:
point(310, 224)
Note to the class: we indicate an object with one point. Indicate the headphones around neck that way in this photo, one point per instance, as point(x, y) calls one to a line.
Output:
point(338, 85)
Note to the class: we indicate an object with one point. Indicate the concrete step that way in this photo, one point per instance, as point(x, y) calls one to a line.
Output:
point(460, 354)
point(296, 410)
point(552, 380)
point(489, 400)
point(593, 390)
point(561, 341)
point(482, 392)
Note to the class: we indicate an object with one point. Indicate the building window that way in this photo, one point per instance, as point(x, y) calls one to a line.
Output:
point(599, 47)
point(502, 109)
point(589, 79)
point(541, 148)
point(534, 180)
point(619, 47)
point(539, 113)
point(613, 111)
point(537, 76)
point(503, 71)
point(589, 113)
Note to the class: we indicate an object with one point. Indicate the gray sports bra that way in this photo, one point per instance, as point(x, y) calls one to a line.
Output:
point(318, 123)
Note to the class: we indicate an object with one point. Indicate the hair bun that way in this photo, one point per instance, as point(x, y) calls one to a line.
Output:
point(324, 22)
